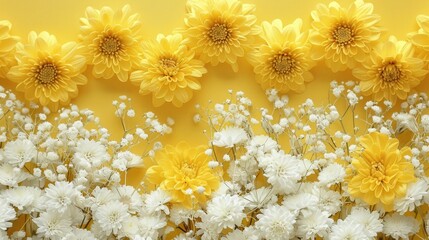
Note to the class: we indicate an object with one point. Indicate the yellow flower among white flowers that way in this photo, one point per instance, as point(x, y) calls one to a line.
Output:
point(220, 30)
point(7, 47)
point(421, 38)
point(169, 70)
point(113, 41)
point(48, 71)
point(281, 62)
point(390, 71)
point(344, 36)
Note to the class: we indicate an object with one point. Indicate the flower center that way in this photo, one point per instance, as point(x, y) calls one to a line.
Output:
point(46, 73)
point(110, 45)
point(283, 63)
point(377, 170)
point(188, 170)
point(219, 33)
point(169, 66)
point(343, 34)
point(390, 72)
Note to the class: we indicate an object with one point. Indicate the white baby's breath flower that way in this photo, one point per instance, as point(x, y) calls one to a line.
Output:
point(369, 220)
point(180, 214)
point(416, 192)
point(89, 153)
point(400, 226)
point(276, 222)
point(313, 223)
point(7, 214)
point(348, 230)
point(260, 197)
point(150, 226)
point(61, 195)
point(328, 200)
point(19, 152)
point(300, 200)
point(111, 216)
point(260, 145)
point(332, 174)
point(101, 196)
point(79, 234)
point(129, 196)
point(52, 224)
point(156, 201)
point(11, 177)
point(229, 137)
point(226, 211)
point(25, 199)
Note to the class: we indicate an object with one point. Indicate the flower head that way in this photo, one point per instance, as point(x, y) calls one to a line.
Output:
point(48, 71)
point(400, 226)
point(281, 61)
point(276, 222)
point(169, 70)
point(7, 214)
point(220, 30)
point(229, 137)
point(7, 47)
point(344, 36)
point(113, 41)
point(390, 71)
point(19, 152)
point(420, 39)
point(183, 172)
point(381, 171)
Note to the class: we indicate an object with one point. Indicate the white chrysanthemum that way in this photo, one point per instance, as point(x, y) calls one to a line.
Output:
point(52, 224)
point(226, 211)
point(329, 201)
point(111, 216)
point(179, 214)
point(89, 153)
point(7, 214)
point(61, 195)
point(400, 226)
point(313, 223)
point(126, 160)
point(235, 235)
point(416, 192)
point(276, 222)
point(242, 171)
point(370, 220)
point(10, 176)
point(283, 171)
point(332, 174)
point(25, 199)
point(259, 198)
point(19, 152)
point(207, 230)
point(301, 200)
point(261, 145)
point(79, 234)
point(129, 196)
point(130, 228)
point(229, 137)
point(101, 196)
point(156, 201)
point(151, 225)
point(348, 230)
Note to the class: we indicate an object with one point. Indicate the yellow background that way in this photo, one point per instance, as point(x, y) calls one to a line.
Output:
point(61, 18)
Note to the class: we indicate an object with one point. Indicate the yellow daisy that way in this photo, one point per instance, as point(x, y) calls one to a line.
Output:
point(169, 70)
point(343, 36)
point(48, 71)
point(420, 39)
point(113, 41)
point(281, 62)
point(381, 171)
point(7, 47)
point(219, 30)
point(390, 71)
point(183, 171)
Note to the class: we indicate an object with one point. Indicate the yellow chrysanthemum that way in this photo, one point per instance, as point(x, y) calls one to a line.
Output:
point(281, 62)
point(390, 71)
point(381, 171)
point(48, 71)
point(169, 70)
point(183, 171)
point(344, 36)
point(113, 41)
point(7, 47)
point(421, 38)
point(220, 30)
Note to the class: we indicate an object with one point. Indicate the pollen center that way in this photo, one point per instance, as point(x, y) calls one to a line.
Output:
point(378, 171)
point(110, 45)
point(390, 72)
point(219, 33)
point(169, 66)
point(283, 63)
point(188, 170)
point(46, 73)
point(343, 34)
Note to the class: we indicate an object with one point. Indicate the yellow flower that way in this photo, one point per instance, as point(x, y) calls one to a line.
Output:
point(220, 30)
point(390, 71)
point(344, 36)
point(421, 38)
point(113, 41)
point(7, 47)
point(169, 70)
point(48, 71)
point(381, 171)
point(183, 171)
point(281, 62)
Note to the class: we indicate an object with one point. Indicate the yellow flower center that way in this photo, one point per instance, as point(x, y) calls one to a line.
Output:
point(378, 171)
point(46, 73)
point(390, 72)
point(169, 66)
point(343, 34)
point(219, 33)
point(110, 45)
point(188, 170)
point(283, 63)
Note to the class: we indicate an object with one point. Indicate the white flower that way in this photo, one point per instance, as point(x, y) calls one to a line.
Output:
point(328, 200)
point(151, 225)
point(156, 201)
point(313, 223)
point(52, 224)
point(259, 198)
point(26, 199)
point(61, 195)
point(260, 145)
point(370, 220)
point(348, 230)
point(129, 196)
point(10, 176)
point(226, 211)
point(111, 216)
point(101, 196)
point(89, 153)
point(79, 234)
point(235, 235)
point(416, 192)
point(130, 228)
point(400, 226)
point(126, 160)
point(332, 174)
point(7, 214)
point(19, 152)
point(229, 137)
point(180, 214)
point(301, 200)
point(276, 222)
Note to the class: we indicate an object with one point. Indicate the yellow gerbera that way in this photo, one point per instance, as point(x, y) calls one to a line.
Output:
point(343, 36)
point(113, 41)
point(281, 62)
point(390, 71)
point(183, 171)
point(169, 70)
point(219, 30)
point(48, 71)
point(381, 171)
point(421, 38)
point(7, 47)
